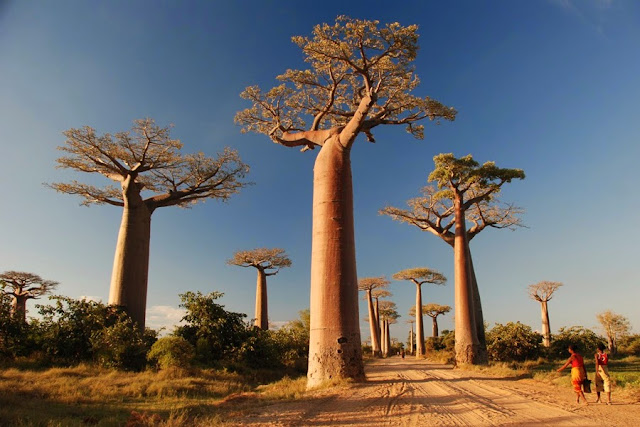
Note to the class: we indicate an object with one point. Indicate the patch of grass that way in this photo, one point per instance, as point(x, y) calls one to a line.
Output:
point(89, 395)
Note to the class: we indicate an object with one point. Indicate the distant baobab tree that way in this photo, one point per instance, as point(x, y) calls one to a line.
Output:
point(152, 173)
point(543, 292)
point(22, 286)
point(388, 315)
point(411, 334)
point(466, 191)
point(615, 326)
point(377, 294)
point(369, 284)
point(360, 76)
point(433, 311)
point(420, 276)
point(268, 262)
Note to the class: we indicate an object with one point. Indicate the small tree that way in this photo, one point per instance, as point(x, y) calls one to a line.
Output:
point(152, 174)
point(420, 276)
point(513, 342)
point(369, 284)
point(22, 286)
point(543, 292)
point(268, 262)
point(584, 339)
point(360, 76)
point(463, 186)
point(615, 326)
point(433, 311)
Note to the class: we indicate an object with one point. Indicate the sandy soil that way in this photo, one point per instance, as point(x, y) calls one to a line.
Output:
point(418, 393)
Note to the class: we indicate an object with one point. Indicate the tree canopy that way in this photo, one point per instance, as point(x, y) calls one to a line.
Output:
point(543, 291)
point(421, 275)
point(20, 284)
point(350, 61)
point(371, 283)
point(147, 159)
point(270, 260)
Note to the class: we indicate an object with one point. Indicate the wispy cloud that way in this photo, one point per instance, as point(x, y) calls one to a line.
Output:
point(164, 316)
point(590, 12)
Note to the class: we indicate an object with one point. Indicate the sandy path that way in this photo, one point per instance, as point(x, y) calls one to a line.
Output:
point(416, 393)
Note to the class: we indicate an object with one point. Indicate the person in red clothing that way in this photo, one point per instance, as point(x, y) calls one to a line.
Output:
point(578, 373)
point(603, 380)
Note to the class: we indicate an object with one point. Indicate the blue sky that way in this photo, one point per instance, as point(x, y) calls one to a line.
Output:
point(547, 86)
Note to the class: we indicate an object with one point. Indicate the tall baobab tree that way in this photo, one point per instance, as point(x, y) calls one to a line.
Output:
point(377, 294)
point(433, 311)
point(22, 286)
point(360, 76)
point(466, 191)
point(268, 262)
point(152, 173)
point(420, 276)
point(543, 292)
point(411, 334)
point(369, 284)
point(388, 315)
point(615, 326)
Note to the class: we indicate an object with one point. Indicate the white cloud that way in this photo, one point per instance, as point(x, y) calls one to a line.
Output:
point(90, 298)
point(164, 316)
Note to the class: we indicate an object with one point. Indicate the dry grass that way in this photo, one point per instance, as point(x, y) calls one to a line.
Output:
point(87, 395)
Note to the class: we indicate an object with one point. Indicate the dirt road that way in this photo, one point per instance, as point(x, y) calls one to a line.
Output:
point(417, 393)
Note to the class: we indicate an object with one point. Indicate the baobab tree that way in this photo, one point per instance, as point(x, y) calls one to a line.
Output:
point(433, 311)
point(420, 276)
point(360, 76)
point(152, 173)
point(268, 262)
point(388, 315)
point(369, 284)
point(411, 334)
point(615, 326)
point(466, 191)
point(543, 292)
point(376, 294)
point(22, 286)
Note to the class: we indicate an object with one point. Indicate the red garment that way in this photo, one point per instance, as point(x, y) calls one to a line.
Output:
point(603, 359)
point(577, 361)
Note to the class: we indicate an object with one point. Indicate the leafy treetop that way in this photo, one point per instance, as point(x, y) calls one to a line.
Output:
point(388, 311)
point(371, 283)
point(264, 259)
point(543, 291)
point(380, 293)
point(351, 63)
point(146, 158)
point(20, 284)
point(421, 275)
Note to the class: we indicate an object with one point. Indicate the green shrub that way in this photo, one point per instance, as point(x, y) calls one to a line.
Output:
point(513, 342)
point(120, 345)
point(629, 346)
point(585, 339)
point(172, 351)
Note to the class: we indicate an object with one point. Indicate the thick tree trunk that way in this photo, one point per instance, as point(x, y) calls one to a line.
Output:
point(19, 307)
point(419, 324)
point(387, 337)
point(411, 340)
point(546, 327)
point(383, 339)
point(376, 309)
point(612, 345)
point(262, 314)
point(131, 261)
point(335, 346)
point(467, 345)
point(434, 327)
point(482, 356)
point(375, 338)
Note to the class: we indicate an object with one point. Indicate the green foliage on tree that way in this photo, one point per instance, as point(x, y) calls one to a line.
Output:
point(629, 345)
point(513, 342)
point(585, 339)
point(16, 336)
point(172, 351)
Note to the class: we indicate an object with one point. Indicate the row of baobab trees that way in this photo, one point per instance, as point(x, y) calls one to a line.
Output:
point(360, 75)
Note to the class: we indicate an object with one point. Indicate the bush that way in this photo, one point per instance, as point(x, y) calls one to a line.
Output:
point(585, 339)
point(17, 338)
point(629, 345)
point(435, 344)
point(121, 345)
point(513, 342)
point(172, 351)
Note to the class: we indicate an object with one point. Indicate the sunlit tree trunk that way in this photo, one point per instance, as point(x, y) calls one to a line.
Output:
point(419, 324)
point(482, 356)
point(376, 309)
point(434, 327)
point(546, 327)
point(387, 337)
point(411, 340)
point(19, 307)
point(131, 262)
point(373, 326)
point(334, 348)
point(467, 344)
point(262, 314)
